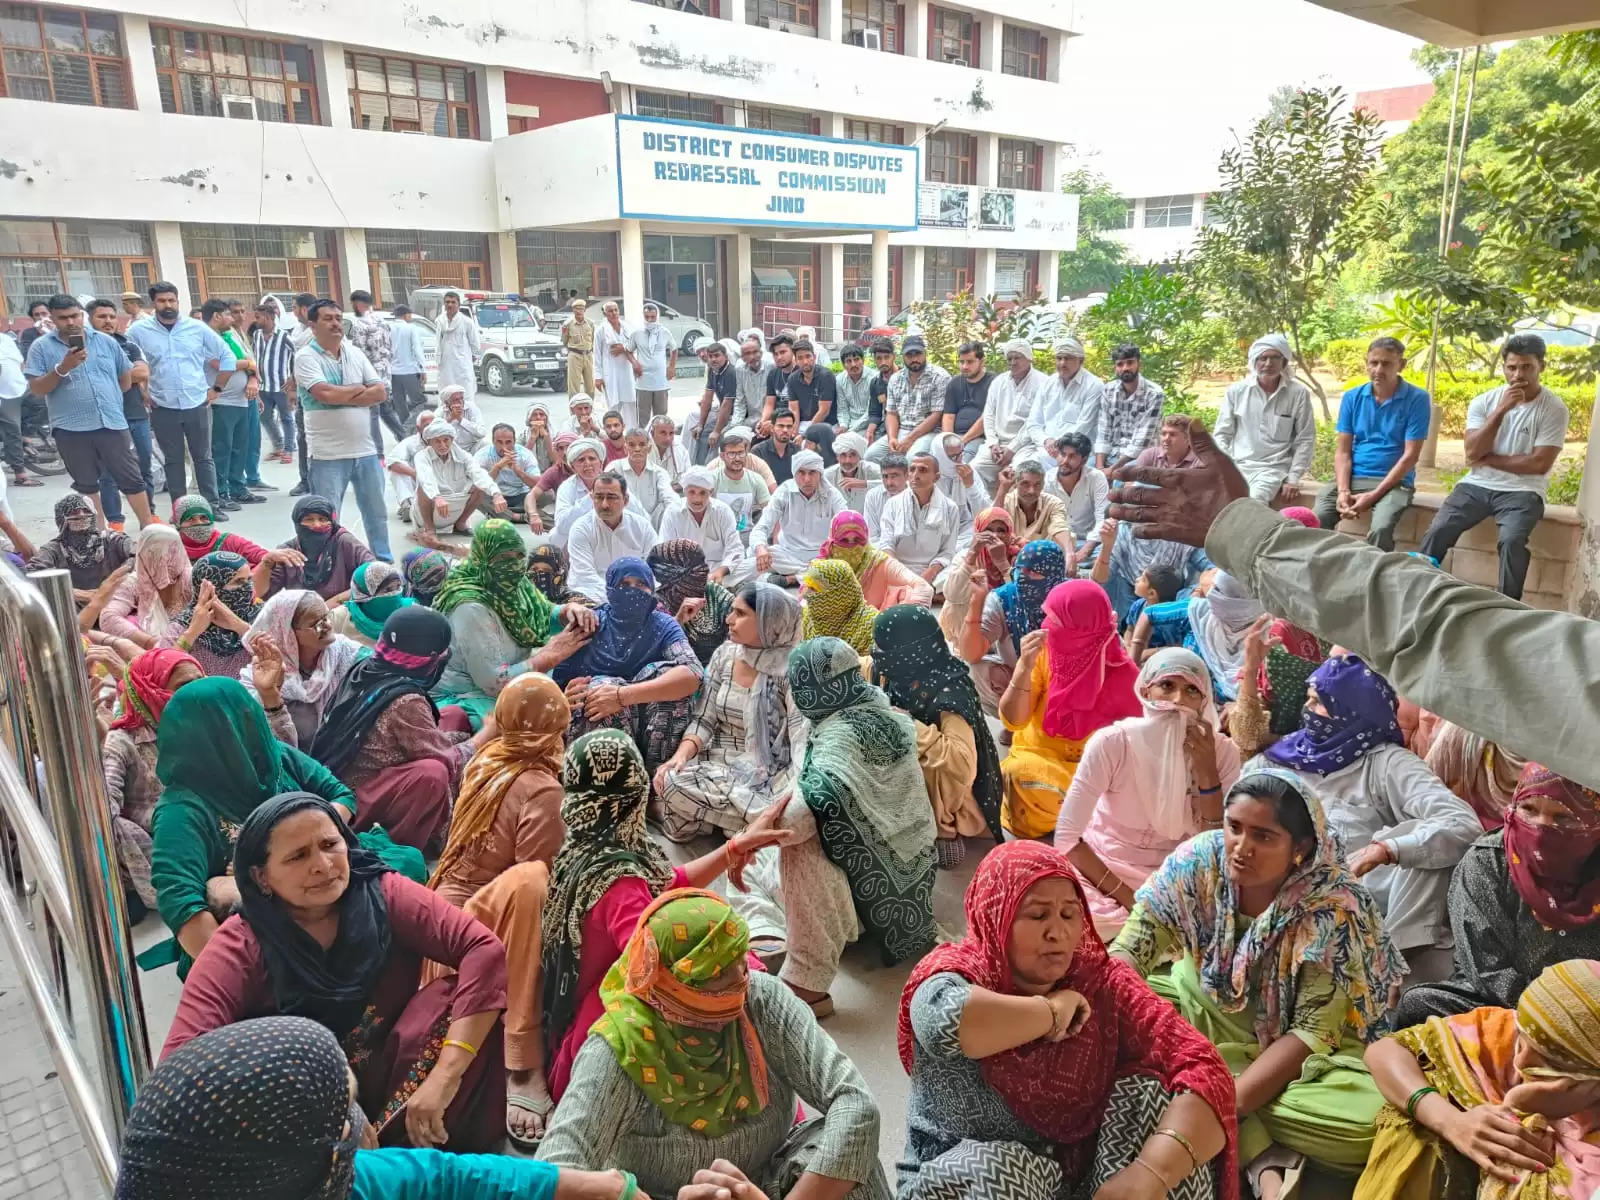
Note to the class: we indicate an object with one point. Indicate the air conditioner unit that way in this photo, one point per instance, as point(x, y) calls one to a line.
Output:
point(241, 107)
point(869, 39)
point(858, 293)
point(953, 54)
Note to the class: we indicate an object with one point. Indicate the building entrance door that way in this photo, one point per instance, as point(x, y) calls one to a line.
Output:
point(682, 273)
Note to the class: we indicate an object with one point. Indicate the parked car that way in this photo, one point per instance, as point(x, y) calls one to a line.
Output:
point(515, 348)
point(1573, 329)
point(688, 332)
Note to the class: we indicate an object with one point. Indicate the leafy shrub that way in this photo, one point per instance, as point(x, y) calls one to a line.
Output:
point(1565, 480)
point(1346, 357)
point(1188, 406)
point(1322, 460)
point(1454, 395)
point(1571, 364)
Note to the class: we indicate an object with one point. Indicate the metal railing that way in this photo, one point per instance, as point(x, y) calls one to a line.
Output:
point(61, 897)
point(830, 326)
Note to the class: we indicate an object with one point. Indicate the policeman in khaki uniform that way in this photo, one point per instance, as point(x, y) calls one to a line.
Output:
point(577, 335)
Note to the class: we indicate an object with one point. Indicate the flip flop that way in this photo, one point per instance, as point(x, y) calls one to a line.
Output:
point(526, 1104)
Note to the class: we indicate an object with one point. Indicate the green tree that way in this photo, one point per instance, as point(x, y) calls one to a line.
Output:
point(1098, 261)
point(1163, 313)
point(1284, 228)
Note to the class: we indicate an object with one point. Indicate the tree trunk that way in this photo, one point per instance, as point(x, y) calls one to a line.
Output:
point(1310, 380)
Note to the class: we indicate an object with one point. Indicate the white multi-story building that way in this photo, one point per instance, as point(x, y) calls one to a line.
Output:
point(861, 153)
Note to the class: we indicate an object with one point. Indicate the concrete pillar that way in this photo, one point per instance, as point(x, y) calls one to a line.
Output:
point(831, 124)
point(333, 83)
point(351, 247)
point(141, 64)
point(744, 299)
point(1055, 56)
point(1583, 588)
point(170, 264)
point(986, 171)
point(504, 270)
point(913, 286)
point(831, 327)
point(880, 276)
point(917, 29)
point(630, 253)
point(494, 120)
point(733, 10)
point(1050, 275)
point(1051, 169)
point(983, 284)
point(830, 21)
point(988, 41)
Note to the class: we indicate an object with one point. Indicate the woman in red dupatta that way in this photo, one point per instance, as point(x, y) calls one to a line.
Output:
point(1040, 1065)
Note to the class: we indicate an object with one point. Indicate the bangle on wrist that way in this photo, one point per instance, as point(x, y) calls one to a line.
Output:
point(1140, 1160)
point(1416, 1099)
point(472, 1050)
point(1188, 1146)
point(1055, 1018)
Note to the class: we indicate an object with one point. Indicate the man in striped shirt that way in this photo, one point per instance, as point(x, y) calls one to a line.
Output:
point(275, 366)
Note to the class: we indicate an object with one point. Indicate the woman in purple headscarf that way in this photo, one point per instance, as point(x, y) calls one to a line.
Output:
point(1403, 830)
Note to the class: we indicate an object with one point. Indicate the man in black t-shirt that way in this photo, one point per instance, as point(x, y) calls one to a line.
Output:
point(812, 388)
point(965, 397)
point(782, 348)
point(716, 403)
point(103, 316)
point(778, 451)
point(883, 359)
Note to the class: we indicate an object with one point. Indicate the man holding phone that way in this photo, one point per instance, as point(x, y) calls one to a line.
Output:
point(82, 374)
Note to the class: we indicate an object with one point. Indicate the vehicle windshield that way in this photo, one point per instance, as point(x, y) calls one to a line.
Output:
point(1560, 337)
point(504, 316)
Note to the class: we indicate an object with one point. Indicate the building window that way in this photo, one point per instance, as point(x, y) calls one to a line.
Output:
point(1022, 52)
point(64, 55)
point(677, 106)
point(946, 271)
point(401, 260)
point(781, 120)
point(1016, 275)
point(875, 131)
point(218, 75)
point(861, 17)
point(952, 157)
point(1130, 214)
point(555, 267)
point(404, 96)
point(952, 36)
point(700, 8)
point(1169, 212)
point(790, 16)
point(1021, 164)
point(85, 258)
point(783, 283)
point(245, 262)
point(1211, 212)
point(858, 286)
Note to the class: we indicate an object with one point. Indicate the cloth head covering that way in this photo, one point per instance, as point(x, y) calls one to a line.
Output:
point(145, 689)
point(85, 548)
point(1156, 760)
point(634, 632)
point(913, 665)
point(1321, 915)
point(494, 575)
point(998, 570)
point(1269, 341)
point(215, 751)
point(822, 434)
point(694, 1053)
point(198, 539)
point(607, 788)
point(275, 624)
point(376, 591)
point(1221, 621)
point(834, 605)
point(1022, 600)
point(158, 562)
point(1475, 769)
point(807, 460)
point(730, 348)
point(329, 986)
point(1557, 1014)
point(1017, 346)
point(1069, 346)
point(585, 445)
point(217, 568)
point(680, 570)
point(1361, 717)
point(849, 440)
point(253, 1111)
point(424, 572)
point(1091, 676)
point(766, 724)
point(860, 555)
point(531, 715)
point(320, 549)
point(700, 477)
point(1060, 1089)
point(862, 782)
point(1556, 868)
point(409, 655)
point(1301, 515)
point(437, 428)
point(547, 568)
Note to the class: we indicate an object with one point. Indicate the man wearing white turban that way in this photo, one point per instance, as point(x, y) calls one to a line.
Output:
point(1266, 424)
point(580, 407)
point(850, 474)
point(451, 486)
point(586, 457)
point(1070, 404)
point(1012, 396)
point(617, 368)
point(794, 526)
point(700, 517)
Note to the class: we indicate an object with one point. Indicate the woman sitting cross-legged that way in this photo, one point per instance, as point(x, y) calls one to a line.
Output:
point(1041, 1067)
point(745, 736)
point(695, 1059)
point(960, 765)
point(325, 930)
point(376, 590)
point(861, 853)
point(1146, 784)
point(331, 552)
point(1280, 958)
point(144, 603)
point(1495, 1102)
point(217, 761)
point(301, 661)
point(607, 873)
point(638, 673)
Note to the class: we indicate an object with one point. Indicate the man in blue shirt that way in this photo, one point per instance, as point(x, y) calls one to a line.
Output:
point(180, 351)
point(1382, 425)
point(103, 316)
point(82, 375)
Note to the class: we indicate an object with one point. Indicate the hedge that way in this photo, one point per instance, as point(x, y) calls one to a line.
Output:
point(1454, 395)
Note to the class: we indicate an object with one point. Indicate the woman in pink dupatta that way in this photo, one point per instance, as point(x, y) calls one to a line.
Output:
point(884, 581)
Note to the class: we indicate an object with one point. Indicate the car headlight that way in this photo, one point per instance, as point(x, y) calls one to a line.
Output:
point(524, 351)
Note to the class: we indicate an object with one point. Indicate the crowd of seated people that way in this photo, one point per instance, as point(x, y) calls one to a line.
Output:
point(1237, 914)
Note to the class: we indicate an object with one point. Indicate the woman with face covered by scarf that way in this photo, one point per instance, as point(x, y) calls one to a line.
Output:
point(196, 522)
point(990, 634)
point(993, 551)
point(424, 572)
point(87, 553)
point(145, 602)
point(213, 626)
point(638, 672)
point(331, 552)
point(377, 590)
point(1402, 828)
point(698, 604)
point(884, 580)
point(1523, 898)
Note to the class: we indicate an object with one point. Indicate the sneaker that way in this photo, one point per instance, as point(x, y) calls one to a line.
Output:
point(249, 498)
point(949, 852)
point(226, 504)
point(300, 489)
point(286, 458)
point(218, 514)
point(115, 526)
point(258, 486)
point(405, 511)
point(272, 455)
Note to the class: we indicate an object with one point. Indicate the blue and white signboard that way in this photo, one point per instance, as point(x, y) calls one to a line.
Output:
point(689, 171)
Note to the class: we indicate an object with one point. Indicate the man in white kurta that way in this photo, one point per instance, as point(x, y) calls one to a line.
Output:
point(921, 526)
point(892, 482)
point(465, 417)
point(794, 526)
point(667, 452)
point(458, 347)
point(599, 538)
point(700, 517)
point(649, 489)
point(451, 485)
point(616, 367)
point(1010, 402)
point(1266, 423)
point(1070, 403)
point(573, 500)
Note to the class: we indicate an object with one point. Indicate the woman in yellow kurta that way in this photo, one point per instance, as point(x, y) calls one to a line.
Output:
point(1072, 677)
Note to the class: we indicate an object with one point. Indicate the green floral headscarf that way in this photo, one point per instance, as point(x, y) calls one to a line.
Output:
point(494, 576)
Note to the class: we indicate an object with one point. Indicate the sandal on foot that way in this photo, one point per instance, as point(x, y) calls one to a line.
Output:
point(772, 951)
point(527, 1104)
point(821, 1008)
